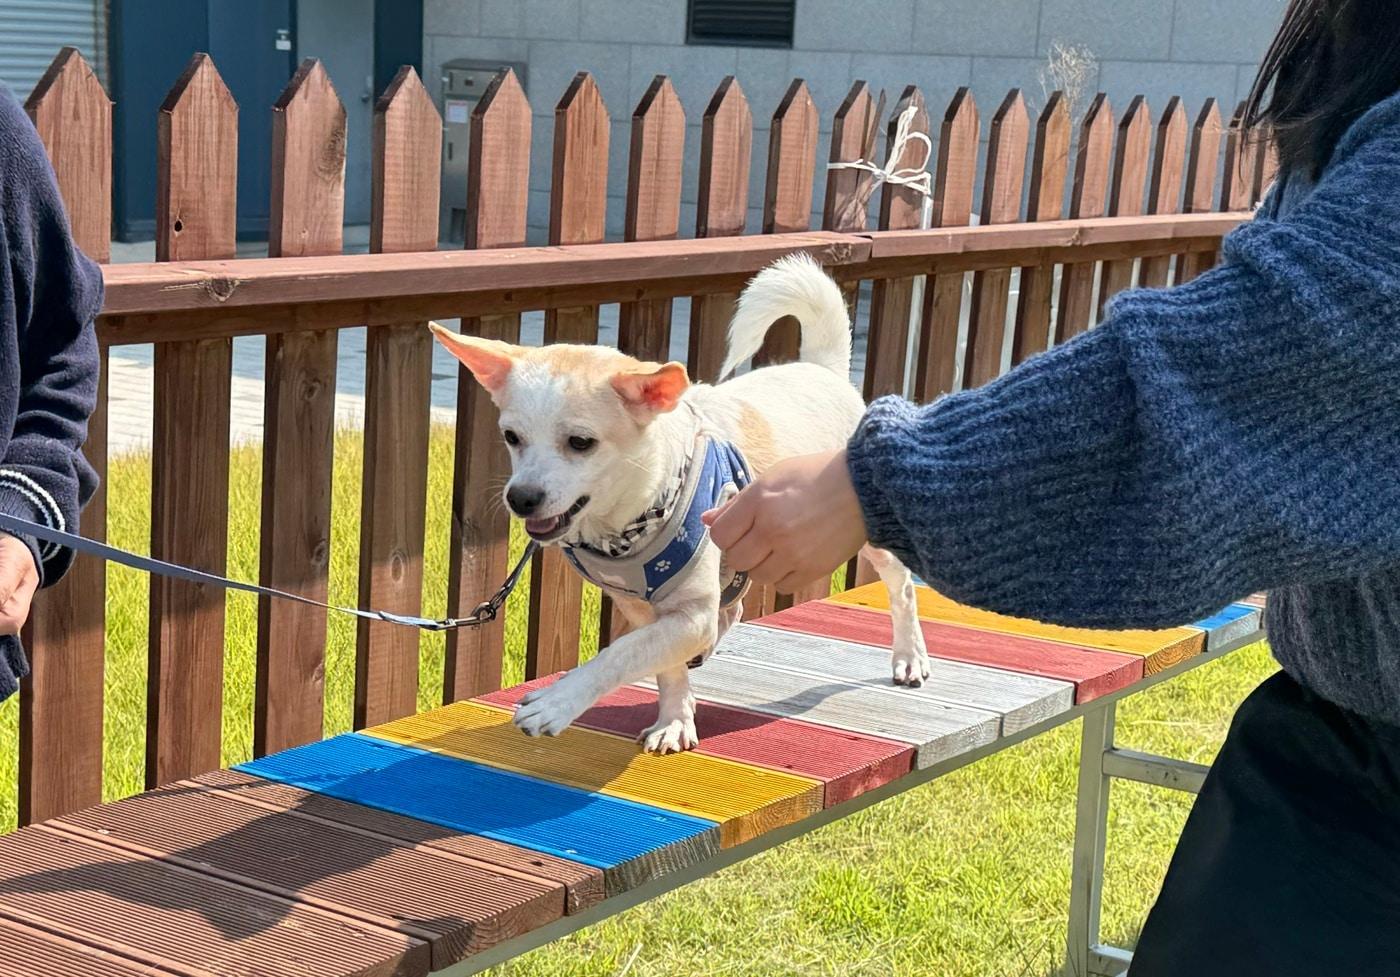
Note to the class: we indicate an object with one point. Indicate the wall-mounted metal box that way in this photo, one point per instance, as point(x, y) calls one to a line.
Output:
point(464, 81)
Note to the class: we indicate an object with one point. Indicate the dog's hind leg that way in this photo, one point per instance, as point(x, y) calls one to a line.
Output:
point(908, 655)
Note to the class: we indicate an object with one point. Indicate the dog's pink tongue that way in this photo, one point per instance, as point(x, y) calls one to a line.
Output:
point(541, 527)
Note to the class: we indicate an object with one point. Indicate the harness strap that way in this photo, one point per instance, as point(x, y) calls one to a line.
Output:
point(485, 612)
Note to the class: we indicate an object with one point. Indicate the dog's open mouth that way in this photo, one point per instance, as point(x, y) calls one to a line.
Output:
point(550, 528)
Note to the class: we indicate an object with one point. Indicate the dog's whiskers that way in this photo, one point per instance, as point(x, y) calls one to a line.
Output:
point(494, 505)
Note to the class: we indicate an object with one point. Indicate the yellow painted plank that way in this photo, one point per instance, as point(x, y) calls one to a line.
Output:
point(1158, 649)
point(746, 800)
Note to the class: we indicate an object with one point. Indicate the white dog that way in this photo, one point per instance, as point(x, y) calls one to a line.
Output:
point(614, 459)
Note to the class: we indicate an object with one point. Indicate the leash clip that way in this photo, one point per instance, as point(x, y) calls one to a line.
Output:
point(489, 610)
point(485, 612)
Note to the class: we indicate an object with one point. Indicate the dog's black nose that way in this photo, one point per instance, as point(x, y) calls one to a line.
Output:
point(524, 499)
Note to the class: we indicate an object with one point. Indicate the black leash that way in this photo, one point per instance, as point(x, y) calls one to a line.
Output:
point(485, 612)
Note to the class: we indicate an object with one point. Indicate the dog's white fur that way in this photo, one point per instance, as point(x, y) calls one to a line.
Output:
point(548, 395)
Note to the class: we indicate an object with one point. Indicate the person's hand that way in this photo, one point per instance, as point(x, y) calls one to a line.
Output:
point(793, 526)
point(19, 578)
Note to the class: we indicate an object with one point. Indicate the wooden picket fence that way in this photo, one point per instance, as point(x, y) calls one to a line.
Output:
point(1129, 178)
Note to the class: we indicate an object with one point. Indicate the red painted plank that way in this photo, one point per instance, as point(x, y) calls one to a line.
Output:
point(847, 763)
point(1094, 673)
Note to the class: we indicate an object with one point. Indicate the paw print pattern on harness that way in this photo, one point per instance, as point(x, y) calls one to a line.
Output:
point(660, 560)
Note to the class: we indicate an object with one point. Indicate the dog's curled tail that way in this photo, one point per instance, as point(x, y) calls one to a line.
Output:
point(794, 285)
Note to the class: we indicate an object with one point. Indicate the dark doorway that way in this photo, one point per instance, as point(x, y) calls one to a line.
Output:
point(145, 63)
point(256, 45)
point(341, 34)
point(251, 42)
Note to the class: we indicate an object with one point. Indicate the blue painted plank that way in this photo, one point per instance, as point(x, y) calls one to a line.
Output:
point(596, 830)
point(1232, 613)
point(1229, 624)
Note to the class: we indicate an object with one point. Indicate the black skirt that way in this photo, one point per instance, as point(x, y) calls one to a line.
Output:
point(1290, 861)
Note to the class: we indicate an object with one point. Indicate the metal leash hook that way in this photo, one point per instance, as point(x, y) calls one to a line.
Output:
point(490, 609)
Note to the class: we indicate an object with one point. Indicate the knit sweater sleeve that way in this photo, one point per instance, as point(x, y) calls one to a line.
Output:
point(1230, 435)
point(56, 293)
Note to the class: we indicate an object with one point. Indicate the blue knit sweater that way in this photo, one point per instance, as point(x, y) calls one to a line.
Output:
point(1238, 433)
point(49, 295)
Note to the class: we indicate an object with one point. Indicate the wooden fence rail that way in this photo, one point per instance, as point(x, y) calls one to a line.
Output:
point(1147, 202)
point(253, 296)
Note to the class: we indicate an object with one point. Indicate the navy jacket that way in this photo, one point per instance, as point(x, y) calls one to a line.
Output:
point(49, 295)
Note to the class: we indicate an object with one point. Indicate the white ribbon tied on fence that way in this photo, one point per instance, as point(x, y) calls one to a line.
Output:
point(917, 178)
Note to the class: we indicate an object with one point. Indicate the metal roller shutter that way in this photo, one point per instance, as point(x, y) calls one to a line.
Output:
point(33, 31)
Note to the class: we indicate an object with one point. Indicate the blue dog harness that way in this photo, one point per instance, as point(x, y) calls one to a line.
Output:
point(655, 567)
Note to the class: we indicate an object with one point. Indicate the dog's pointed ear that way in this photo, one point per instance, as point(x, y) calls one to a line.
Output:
point(651, 390)
point(489, 359)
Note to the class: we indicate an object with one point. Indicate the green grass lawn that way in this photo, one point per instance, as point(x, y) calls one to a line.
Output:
point(965, 877)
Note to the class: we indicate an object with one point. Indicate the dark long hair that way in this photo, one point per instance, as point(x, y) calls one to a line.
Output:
point(1330, 62)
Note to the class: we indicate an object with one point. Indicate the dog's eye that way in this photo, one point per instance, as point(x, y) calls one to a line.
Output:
point(511, 437)
point(582, 444)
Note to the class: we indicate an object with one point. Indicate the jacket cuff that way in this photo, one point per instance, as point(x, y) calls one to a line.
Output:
point(14, 665)
point(879, 436)
point(24, 498)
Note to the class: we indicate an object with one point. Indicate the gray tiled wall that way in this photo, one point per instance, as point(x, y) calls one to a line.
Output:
point(1193, 48)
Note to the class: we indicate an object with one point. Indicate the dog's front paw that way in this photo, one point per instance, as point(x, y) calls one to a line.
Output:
point(910, 666)
point(670, 736)
point(549, 711)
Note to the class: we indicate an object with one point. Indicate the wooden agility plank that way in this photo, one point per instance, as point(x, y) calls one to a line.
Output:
point(457, 909)
point(31, 952)
point(1256, 600)
point(1094, 673)
point(744, 800)
point(632, 843)
point(582, 884)
point(1020, 700)
point(1230, 624)
point(936, 731)
point(1158, 649)
point(847, 763)
point(184, 921)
